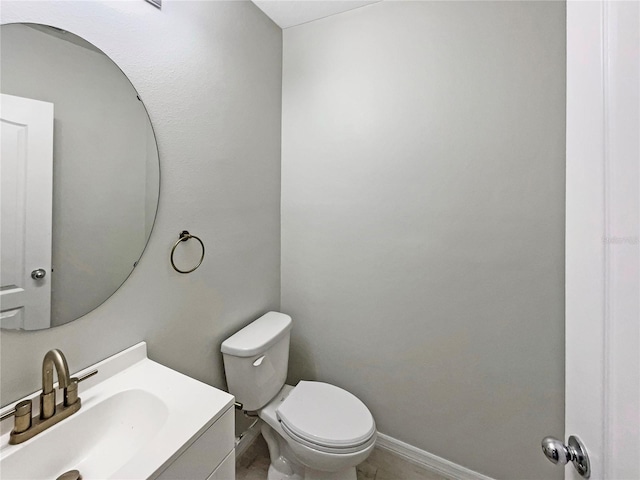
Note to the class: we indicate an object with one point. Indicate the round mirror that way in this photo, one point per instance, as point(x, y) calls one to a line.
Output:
point(80, 177)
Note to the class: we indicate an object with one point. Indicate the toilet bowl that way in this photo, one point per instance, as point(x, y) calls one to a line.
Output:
point(322, 428)
point(314, 430)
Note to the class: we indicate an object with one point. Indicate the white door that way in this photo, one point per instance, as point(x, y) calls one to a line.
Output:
point(26, 175)
point(602, 237)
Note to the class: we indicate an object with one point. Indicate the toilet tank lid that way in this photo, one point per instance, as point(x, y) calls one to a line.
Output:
point(259, 335)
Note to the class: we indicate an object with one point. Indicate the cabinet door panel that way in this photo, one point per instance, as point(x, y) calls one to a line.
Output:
point(205, 454)
point(226, 470)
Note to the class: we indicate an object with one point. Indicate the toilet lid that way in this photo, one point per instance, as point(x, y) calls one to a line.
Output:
point(326, 415)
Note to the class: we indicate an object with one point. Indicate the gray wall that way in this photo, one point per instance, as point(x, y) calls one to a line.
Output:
point(423, 222)
point(210, 75)
point(100, 151)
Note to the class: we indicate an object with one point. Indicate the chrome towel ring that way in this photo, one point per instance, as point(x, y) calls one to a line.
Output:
point(184, 236)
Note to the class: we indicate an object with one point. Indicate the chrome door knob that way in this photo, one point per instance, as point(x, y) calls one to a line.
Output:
point(555, 451)
point(38, 274)
point(560, 454)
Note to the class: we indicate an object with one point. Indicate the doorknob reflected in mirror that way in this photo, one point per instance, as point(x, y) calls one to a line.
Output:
point(39, 274)
point(560, 454)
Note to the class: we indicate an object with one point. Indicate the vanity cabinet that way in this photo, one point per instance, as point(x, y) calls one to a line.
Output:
point(211, 456)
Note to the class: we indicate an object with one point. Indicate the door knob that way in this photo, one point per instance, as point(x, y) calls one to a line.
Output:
point(38, 274)
point(561, 454)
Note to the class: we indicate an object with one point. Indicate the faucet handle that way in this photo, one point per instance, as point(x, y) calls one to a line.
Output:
point(22, 413)
point(23, 416)
point(87, 375)
point(71, 392)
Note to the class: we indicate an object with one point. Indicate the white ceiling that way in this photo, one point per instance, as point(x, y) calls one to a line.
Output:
point(289, 13)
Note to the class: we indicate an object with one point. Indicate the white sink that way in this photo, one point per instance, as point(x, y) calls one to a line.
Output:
point(137, 417)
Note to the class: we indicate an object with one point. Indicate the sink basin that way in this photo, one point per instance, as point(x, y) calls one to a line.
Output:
point(137, 417)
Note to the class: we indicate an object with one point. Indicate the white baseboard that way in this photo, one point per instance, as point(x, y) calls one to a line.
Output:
point(247, 438)
point(427, 460)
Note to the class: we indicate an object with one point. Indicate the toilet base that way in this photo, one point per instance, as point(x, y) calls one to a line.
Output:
point(348, 474)
point(275, 474)
point(284, 467)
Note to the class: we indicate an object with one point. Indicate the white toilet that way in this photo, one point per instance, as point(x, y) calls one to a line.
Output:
point(314, 430)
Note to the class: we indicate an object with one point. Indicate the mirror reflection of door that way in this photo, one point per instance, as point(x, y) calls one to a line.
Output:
point(26, 176)
point(106, 168)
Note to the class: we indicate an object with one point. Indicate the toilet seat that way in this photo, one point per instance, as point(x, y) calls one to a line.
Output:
point(327, 418)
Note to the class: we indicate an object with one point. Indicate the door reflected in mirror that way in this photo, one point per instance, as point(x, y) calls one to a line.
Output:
point(80, 177)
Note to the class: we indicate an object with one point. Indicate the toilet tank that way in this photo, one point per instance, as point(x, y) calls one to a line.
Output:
point(256, 360)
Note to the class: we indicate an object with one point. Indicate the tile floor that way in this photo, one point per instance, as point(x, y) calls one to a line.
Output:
point(381, 465)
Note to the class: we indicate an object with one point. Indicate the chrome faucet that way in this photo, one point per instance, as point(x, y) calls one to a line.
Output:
point(25, 426)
